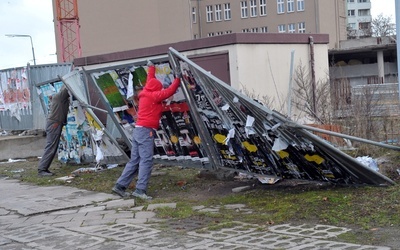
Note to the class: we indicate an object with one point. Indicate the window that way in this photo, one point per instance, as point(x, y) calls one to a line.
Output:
point(209, 13)
point(301, 27)
point(210, 34)
point(365, 12)
point(263, 7)
point(227, 11)
point(220, 33)
point(352, 26)
point(350, 1)
point(351, 13)
point(194, 17)
point(300, 5)
point(363, 1)
point(281, 28)
point(281, 6)
point(218, 12)
point(228, 32)
point(290, 5)
point(253, 8)
point(254, 30)
point(291, 28)
point(243, 9)
point(364, 26)
point(264, 29)
point(245, 30)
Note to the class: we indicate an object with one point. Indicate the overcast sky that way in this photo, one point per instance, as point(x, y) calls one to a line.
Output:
point(35, 18)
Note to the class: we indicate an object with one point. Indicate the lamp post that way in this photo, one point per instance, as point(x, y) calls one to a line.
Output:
point(33, 50)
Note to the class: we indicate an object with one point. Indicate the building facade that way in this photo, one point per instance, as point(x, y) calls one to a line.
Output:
point(359, 18)
point(106, 26)
point(217, 17)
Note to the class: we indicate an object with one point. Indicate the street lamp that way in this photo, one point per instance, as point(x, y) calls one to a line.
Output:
point(33, 50)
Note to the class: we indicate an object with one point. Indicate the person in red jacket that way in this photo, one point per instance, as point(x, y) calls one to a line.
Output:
point(148, 120)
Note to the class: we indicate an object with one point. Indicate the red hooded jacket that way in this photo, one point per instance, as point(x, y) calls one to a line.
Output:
point(151, 98)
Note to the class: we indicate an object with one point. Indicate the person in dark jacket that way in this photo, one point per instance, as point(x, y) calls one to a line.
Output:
point(148, 120)
point(56, 119)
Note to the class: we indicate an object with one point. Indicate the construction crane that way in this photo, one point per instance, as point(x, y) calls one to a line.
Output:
point(68, 29)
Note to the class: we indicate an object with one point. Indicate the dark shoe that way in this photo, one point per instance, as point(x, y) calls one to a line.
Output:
point(142, 196)
point(120, 192)
point(45, 173)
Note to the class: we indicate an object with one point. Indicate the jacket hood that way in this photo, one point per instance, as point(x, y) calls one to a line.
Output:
point(153, 85)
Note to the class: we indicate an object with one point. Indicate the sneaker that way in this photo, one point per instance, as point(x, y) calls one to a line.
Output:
point(142, 196)
point(44, 173)
point(120, 192)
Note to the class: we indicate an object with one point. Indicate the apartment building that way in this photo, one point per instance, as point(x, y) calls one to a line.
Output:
point(217, 17)
point(111, 26)
point(359, 18)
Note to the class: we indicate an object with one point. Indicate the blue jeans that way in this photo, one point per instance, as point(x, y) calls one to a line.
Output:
point(141, 160)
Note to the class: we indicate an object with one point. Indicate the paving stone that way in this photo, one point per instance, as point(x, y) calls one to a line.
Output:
point(119, 215)
point(17, 246)
point(241, 189)
point(223, 245)
point(330, 245)
point(268, 240)
point(152, 207)
point(4, 211)
point(144, 215)
point(128, 203)
point(116, 245)
point(235, 206)
point(131, 221)
point(169, 241)
point(314, 231)
point(91, 209)
point(225, 233)
point(119, 232)
point(65, 211)
point(4, 241)
point(198, 207)
point(98, 222)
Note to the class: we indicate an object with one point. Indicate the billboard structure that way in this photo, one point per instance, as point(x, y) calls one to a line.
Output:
point(209, 122)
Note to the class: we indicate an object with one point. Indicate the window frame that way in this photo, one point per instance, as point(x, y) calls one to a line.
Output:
point(290, 6)
point(227, 11)
point(253, 8)
point(301, 27)
point(244, 12)
point(209, 14)
point(218, 13)
point(263, 7)
point(280, 6)
point(280, 26)
point(300, 5)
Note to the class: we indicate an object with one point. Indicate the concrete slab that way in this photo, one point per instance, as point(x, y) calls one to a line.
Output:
point(21, 146)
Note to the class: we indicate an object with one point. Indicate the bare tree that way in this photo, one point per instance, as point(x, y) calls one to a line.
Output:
point(383, 26)
point(304, 95)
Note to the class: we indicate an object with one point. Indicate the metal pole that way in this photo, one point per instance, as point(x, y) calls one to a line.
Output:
point(33, 50)
point(290, 85)
point(295, 125)
point(397, 13)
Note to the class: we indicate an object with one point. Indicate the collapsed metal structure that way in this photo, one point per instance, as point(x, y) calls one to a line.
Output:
point(209, 121)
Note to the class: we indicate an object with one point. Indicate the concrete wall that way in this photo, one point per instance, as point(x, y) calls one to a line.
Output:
point(13, 147)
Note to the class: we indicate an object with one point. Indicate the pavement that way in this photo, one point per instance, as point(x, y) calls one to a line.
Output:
point(61, 217)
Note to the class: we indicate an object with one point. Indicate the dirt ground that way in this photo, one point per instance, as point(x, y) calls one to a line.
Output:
point(210, 184)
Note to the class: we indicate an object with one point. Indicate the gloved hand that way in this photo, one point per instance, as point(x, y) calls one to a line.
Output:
point(178, 73)
point(150, 63)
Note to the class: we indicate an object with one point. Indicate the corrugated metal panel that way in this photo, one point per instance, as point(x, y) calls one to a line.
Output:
point(39, 74)
point(20, 107)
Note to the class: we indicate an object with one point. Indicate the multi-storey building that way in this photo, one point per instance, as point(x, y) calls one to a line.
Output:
point(109, 26)
point(359, 18)
point(217, 17)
